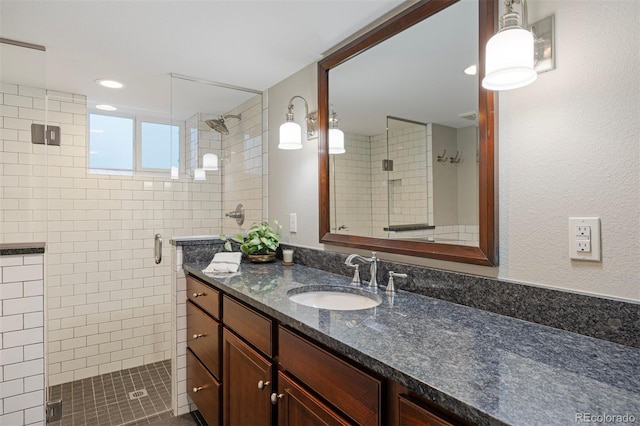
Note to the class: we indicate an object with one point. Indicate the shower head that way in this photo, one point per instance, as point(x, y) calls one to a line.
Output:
point(218, 123)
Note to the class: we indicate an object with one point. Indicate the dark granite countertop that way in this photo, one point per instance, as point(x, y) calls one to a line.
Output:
point(485, 367)
point(13, 249)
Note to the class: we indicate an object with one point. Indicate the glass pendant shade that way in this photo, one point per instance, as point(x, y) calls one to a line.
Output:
point(210, 162)
point(290, 136)
point(336, 141)
point(199, 174)
point(509, 60)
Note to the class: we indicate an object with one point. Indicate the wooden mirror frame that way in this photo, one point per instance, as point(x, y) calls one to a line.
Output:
point(487, 252)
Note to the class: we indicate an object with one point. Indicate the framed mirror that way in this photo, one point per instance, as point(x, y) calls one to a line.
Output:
point(403, 94)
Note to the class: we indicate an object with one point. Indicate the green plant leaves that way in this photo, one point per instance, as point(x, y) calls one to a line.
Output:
point(261, 239)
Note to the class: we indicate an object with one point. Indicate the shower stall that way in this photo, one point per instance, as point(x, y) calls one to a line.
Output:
point(98, 188)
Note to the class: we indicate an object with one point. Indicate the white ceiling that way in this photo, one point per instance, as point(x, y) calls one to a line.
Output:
point(252, 44)
point(416, 75)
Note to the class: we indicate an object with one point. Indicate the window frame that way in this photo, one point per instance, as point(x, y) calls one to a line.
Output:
point(137, 168)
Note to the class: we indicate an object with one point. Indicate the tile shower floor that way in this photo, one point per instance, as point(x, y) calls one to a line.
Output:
point(106, 400)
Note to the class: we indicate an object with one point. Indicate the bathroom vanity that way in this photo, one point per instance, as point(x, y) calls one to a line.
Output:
point(255, 356)
point(235, 374)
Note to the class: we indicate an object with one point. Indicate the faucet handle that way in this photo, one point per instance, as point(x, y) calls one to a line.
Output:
point(356, 275)
point(391, 288)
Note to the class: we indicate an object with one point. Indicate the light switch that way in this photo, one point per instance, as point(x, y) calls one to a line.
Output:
point(293, 222)
point(584, 238)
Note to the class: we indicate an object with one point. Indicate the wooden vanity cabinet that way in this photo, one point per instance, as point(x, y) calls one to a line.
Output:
point(204, 340)
point(231, 358)
point(248, 372)
point(297, 406)
point(407, 409)
point(247, 383)
point(352, 391)
point(204, 390)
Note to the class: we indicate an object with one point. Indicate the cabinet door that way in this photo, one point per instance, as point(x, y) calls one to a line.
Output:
point(297, 407)
point(244, 370)
point(411, 414)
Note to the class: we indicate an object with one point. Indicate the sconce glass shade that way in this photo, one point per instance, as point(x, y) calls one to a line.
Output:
point(509, 60)
point(174, 173)
point(290, 136)
point(210, 162)
point(199, 174)
point(336, 141)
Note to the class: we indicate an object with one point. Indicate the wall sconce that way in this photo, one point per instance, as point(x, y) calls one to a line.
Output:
point(513, 56)
point(291, 132)
point(336, 136)
point(210, 162)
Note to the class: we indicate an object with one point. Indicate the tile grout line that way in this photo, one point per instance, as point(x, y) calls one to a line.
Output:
point(113, 388)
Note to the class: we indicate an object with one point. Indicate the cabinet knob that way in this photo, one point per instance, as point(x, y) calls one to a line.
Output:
point(197, 336)
point(198, 294)
point(275, 397)
point(262, 385)
point(198, 389)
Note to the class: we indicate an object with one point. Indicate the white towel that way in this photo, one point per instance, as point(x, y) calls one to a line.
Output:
point(224, 262)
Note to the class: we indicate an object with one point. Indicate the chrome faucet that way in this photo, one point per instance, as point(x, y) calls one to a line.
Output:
point(373, 260)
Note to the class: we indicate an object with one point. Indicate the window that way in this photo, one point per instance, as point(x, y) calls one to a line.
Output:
point(131, 144)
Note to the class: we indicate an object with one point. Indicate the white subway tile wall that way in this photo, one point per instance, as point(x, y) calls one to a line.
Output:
point(22, 395)
point(243, 161)
point(352, 187)
point(368, 199)
point(108, 303)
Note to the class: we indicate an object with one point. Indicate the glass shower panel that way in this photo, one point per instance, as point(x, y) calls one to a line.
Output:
point(24, 187)
point(23, 161)
point(407, 168)
point(109, 303)
point(225, 124)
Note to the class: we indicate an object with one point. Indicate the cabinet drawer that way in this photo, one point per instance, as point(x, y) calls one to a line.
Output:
point(354, 392)
point(204, 390)
point(203, 338)
point(255, 328)
point(204, 296)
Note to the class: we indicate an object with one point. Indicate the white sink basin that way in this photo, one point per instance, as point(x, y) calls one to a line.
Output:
point(340, 299)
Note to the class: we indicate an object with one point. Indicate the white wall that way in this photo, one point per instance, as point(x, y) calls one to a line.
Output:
point(293, 175)
point(568, 146)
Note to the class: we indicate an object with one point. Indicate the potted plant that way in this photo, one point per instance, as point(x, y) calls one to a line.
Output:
point(260, 244)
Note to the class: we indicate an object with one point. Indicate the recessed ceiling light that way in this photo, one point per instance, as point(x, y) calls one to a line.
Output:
point(111, 84)
point(106, 107)
point(471, 70)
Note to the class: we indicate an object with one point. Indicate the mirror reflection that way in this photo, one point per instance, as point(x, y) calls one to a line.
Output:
point(408, 108)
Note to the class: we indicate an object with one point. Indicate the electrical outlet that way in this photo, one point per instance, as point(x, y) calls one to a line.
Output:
point(584, 238)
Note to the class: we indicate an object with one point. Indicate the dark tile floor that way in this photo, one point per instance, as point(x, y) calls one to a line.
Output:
point(104, 400)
